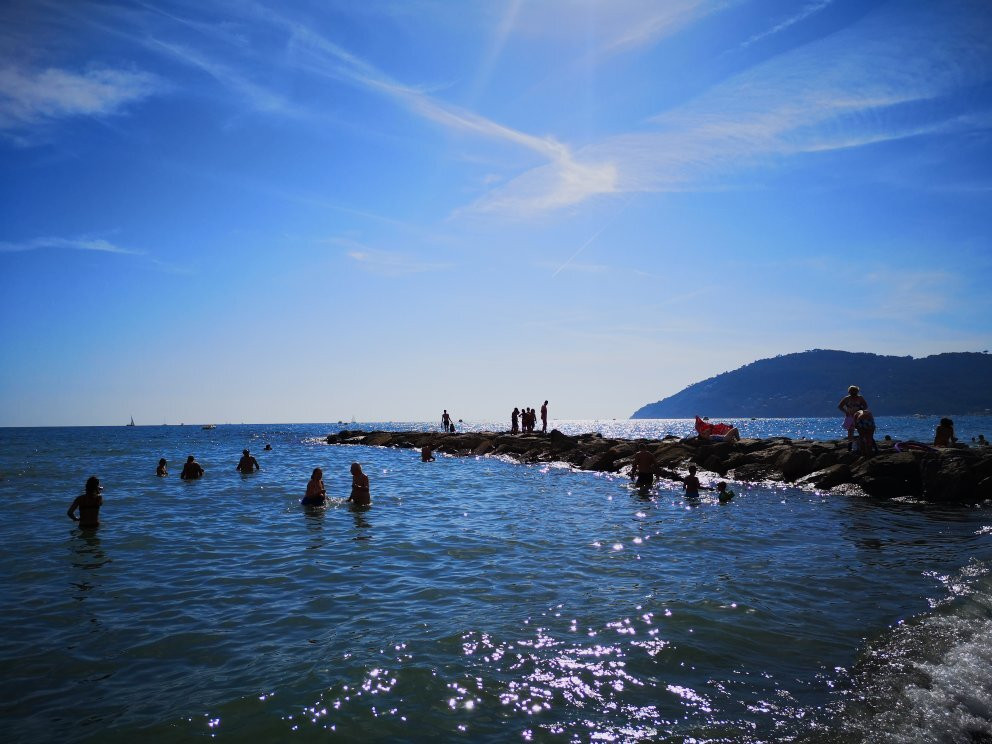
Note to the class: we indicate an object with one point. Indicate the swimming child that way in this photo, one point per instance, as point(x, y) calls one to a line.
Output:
point(89, 504)
point(163, 468)
point(426, 453)
point(723, 493)
point(691, 483)
point(316, 494)
point(360, 493)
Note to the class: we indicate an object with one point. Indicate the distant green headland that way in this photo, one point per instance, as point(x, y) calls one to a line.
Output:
point(811, 383)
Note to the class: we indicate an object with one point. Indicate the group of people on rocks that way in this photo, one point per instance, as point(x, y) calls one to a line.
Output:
point(525, 420)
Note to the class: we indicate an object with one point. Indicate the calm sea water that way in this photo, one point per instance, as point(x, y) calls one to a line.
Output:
point(477, 599)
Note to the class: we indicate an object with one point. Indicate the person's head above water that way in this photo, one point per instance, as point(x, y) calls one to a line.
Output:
point(317, 474)
point(946, 422)
point(692, 470)
point(356, 469)
point(190, 458)
point(162, 461)
point(854, 390)
point(93, 486)
point(245, 452)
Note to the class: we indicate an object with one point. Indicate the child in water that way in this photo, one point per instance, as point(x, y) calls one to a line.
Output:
point(723, 493)
point(163, 468)
point(316, 495)
point(89, 504)
point(360, 493)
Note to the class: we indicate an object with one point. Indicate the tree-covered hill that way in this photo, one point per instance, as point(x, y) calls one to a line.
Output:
point(811, 383)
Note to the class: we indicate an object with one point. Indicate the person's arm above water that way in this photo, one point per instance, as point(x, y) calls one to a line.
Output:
point(71, 513)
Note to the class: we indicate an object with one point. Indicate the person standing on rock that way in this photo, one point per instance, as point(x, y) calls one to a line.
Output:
point(544, 418)
point(445, 420)
point(643, 468)
point(515, 421)
point(850, 405)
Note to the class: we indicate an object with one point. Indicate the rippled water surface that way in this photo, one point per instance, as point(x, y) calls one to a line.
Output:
point(476, 599)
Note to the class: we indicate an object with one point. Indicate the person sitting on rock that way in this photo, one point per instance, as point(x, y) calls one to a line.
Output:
point(643, 468)
point(944, 436)
point(864, 422)
point(982, 442)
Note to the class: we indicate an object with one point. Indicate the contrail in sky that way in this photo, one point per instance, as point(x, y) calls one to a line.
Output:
point(592, 238)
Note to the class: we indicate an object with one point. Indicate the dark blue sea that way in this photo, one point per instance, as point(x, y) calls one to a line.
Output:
point(477, 599)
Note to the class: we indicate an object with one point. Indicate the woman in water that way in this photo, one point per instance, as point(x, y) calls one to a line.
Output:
point(850, 405)
point(163, 468)
point(360, 494)
point(88, 504)
point(316, 495)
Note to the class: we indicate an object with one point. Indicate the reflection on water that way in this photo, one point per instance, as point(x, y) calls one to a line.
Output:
point(497, 602)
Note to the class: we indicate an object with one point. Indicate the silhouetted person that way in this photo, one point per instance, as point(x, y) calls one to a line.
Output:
point(864, 422)
point(88, 504)
point(316, 495)
point(515, 421)
point(445, 420)
point(691, 483)
point(944, 436)
point(163, 468)
point(850, 404)
point(426, 453)
point(247, 463)
point(267, 447)
point(191, 470)
point(360, 493)
point(723, 493)
point(544, 418)
point(644, 465)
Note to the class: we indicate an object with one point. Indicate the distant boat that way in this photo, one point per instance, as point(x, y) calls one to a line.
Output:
point(209, 426)
point(132, 422)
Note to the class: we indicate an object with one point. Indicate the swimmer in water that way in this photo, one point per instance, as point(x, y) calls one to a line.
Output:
point(723, 493)
point(191, 470)
point(426, 453)
point(163, 468)
point(88, 504)
point(316, 495)
point(691, 483)
point(360, 493)
point(643, 468)
point(247, 463)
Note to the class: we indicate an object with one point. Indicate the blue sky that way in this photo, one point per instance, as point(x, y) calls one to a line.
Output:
point(309, 211)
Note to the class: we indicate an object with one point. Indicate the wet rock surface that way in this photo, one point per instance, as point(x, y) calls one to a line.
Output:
point(947, 475)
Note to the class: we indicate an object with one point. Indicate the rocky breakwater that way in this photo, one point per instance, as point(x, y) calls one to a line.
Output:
point(947, 475)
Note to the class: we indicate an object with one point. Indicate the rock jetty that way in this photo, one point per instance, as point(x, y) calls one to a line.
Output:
point(946, 475)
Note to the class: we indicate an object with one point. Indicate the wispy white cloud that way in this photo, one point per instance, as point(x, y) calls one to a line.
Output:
point(872, 83)
point(77, 244)
point(387, 263)
point(33, 96)
point(258, 96)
